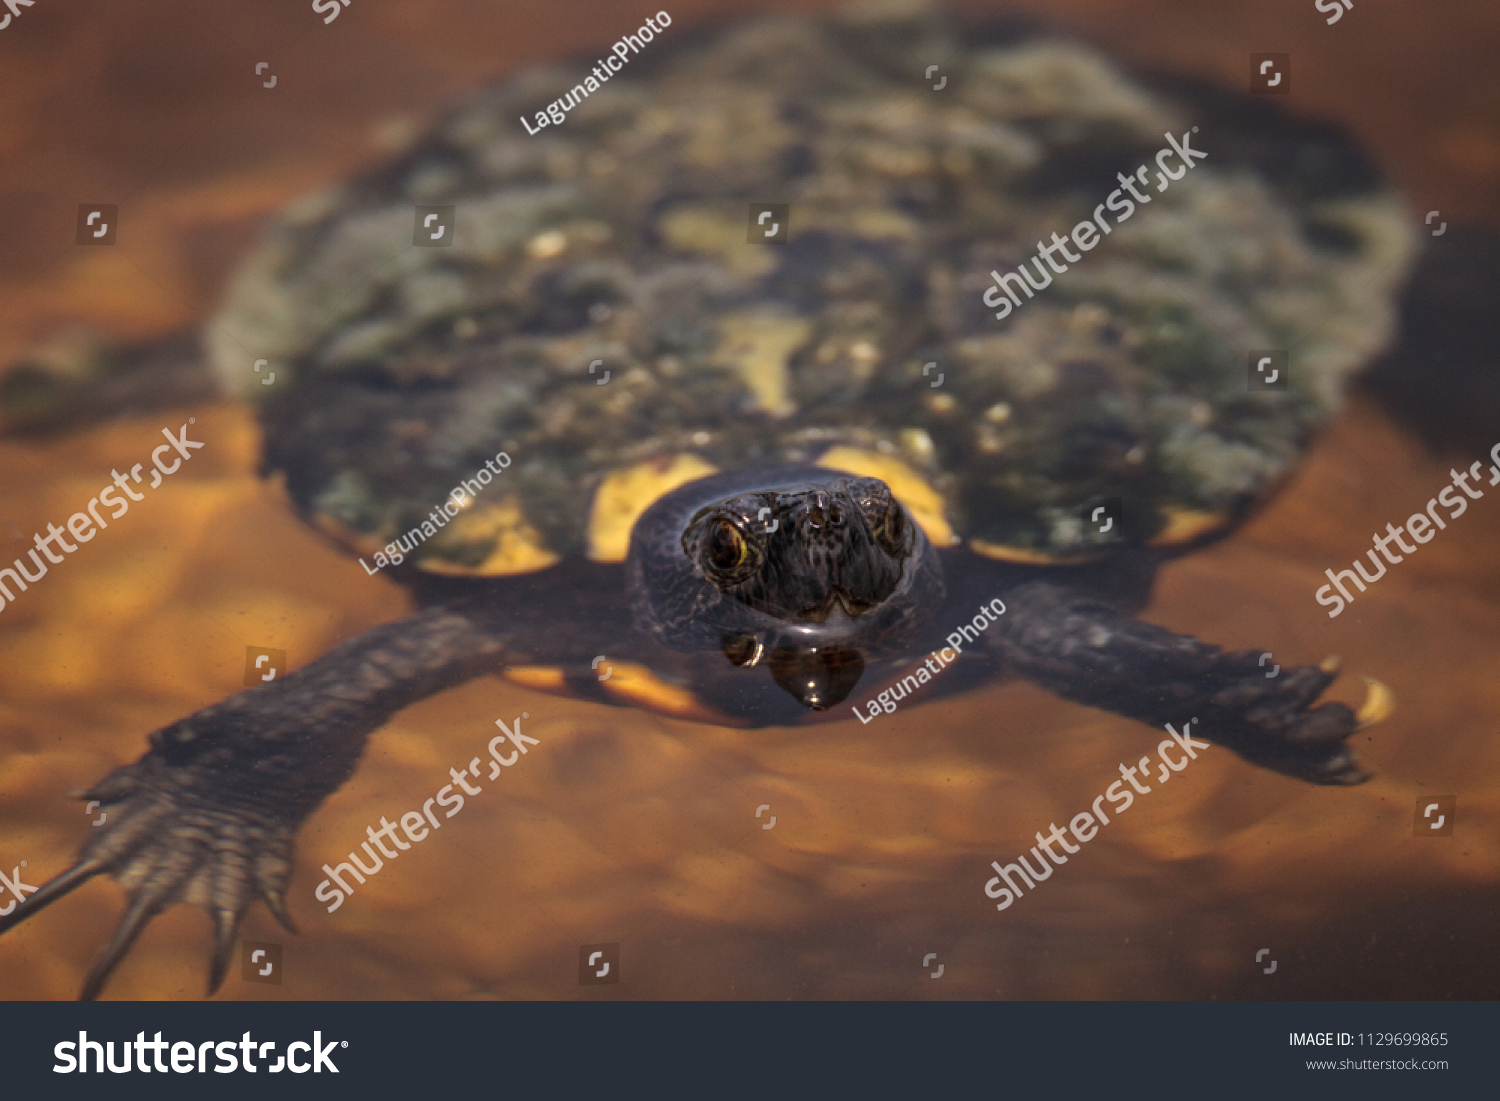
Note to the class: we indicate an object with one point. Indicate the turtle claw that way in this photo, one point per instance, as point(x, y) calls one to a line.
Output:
point(277, 905)
point(166, 842)
point(226, 925)
point(142, 910)
point(1280, 725)
point(1379, 704)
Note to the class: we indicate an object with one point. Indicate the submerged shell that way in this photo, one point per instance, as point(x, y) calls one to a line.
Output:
point(618, 240)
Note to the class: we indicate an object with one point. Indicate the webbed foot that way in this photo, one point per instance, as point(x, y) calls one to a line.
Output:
point(1091, 653)
point(207, 816)
point(165, 842)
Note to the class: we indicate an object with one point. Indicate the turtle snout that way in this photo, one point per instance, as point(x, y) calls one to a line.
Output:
point(820, 611)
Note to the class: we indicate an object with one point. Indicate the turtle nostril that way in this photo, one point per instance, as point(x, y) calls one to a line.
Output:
point(854, 606)
point(822, 512)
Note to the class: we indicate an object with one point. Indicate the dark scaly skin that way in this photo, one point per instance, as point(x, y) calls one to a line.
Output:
point(1085, 650)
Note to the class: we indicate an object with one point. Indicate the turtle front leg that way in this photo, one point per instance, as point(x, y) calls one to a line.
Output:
point(1089, 652)
point(208, 815)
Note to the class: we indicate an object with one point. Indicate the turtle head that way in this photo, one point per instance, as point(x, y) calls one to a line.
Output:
point(804, 570)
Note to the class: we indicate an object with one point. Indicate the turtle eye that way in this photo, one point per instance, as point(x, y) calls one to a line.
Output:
point(892, 531)
point(726, 549)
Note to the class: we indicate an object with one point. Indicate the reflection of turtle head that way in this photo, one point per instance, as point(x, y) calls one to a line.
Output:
point(801, 569)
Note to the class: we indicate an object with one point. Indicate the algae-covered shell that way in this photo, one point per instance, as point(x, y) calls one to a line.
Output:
point(603, 317)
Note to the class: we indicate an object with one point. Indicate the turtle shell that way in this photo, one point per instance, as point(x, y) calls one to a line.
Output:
point(608, 315)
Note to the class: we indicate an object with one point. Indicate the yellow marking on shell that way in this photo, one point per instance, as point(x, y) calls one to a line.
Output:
point(878, 222)
point(644, 688)
point(1183, 525)
point(1032, 556)
point(1379, 705)
point(914, 491)
point(714, 232)
point(625, 494)
point(544, 678)
point(757, 345)
point(498, 531)
point(544, 246)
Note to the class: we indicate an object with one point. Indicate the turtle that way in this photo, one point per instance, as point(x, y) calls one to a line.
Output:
point(707, 371)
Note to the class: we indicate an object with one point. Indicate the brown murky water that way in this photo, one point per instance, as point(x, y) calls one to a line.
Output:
point(627, 827)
